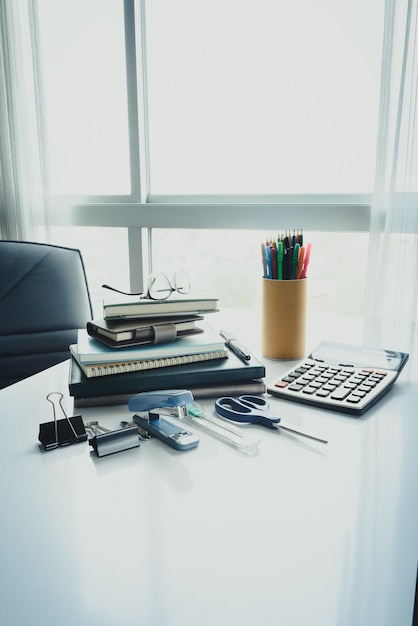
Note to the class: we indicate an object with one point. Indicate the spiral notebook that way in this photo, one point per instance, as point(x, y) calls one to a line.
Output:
point(204, 373)
point(94, 370)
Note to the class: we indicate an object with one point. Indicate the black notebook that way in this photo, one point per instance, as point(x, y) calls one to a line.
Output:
point(212, 372)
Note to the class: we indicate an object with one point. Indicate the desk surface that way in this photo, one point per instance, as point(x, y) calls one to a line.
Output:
point(299, 534)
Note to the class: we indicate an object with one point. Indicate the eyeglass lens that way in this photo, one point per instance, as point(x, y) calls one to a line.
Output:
point(160, 287)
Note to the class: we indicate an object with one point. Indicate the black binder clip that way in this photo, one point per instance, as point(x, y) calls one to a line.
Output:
point(61, 432)
point(105, 441)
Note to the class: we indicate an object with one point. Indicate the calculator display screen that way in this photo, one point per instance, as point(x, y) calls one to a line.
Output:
point(358, 356)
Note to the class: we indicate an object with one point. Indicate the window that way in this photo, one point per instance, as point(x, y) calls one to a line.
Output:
point(212, 118)
point(86, 98)
point(263, 97)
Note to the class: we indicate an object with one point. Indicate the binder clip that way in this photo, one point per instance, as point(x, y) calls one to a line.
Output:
point(61, 432)
point(105, 441)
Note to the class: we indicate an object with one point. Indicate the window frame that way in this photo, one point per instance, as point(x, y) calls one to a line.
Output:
point(140, 212)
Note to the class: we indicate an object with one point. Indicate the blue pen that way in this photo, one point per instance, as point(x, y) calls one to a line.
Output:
point(264, 259)
point(268, 260)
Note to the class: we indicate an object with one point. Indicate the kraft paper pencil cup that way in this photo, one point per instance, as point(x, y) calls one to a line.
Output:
point(283, 304)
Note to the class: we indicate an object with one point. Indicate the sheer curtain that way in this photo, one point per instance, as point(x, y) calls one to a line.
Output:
point(23, 213)
point(392, 280)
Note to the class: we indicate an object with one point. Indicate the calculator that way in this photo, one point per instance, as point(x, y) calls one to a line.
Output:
point(340, 377)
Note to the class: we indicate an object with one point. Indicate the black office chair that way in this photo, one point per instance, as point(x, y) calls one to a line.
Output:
point(44, 299)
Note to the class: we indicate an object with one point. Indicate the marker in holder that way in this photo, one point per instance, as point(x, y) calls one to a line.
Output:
point(61, 432)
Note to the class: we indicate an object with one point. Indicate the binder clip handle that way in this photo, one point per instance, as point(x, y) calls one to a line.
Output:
point(61, 432)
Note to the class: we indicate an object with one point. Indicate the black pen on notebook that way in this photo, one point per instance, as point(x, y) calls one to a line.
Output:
point(234, 345)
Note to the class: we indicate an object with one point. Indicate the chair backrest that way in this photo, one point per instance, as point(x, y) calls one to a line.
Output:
point(44, 299)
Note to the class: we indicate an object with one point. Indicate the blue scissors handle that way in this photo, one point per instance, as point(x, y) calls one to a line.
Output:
point(246, 409)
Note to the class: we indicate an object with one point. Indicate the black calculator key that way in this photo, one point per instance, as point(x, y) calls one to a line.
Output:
point(295, 387)
point(288, 379)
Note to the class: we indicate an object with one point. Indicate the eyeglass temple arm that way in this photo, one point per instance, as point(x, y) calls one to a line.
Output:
point(125, 293)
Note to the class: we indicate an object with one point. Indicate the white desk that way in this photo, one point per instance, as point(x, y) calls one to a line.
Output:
point(299, 535)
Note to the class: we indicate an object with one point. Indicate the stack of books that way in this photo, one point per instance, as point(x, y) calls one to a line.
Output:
point(149, 345)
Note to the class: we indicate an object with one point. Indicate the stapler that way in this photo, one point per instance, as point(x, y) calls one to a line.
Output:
point(162, 403)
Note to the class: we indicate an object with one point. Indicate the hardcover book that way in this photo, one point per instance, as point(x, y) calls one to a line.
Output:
point(117, 333)
point(252, 387)
point(126, 308)
point(206, 373)
point(90, 350)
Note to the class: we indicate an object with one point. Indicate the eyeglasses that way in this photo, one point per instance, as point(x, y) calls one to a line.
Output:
point(160, 287)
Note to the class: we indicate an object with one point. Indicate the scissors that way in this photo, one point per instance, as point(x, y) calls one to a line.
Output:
point(253, 409)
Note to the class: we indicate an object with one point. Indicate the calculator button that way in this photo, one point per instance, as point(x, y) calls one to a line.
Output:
point(340, 377)
point(288, 379)
point(350, 385)
point(322, 393)
point(303, 380)
point(359, 393)
point(369, 383)
point(316, 385)
point(341, 393)
point(353, 399)
point(335, 382)
point(295, 387)
point(281, 383)
point(329, 387)
point(321, 379)
point(309, 390)
point(309, 377)
point(364, 388)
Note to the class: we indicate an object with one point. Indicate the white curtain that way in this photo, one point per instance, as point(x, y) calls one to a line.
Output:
point(392, 267)
point(23, 212)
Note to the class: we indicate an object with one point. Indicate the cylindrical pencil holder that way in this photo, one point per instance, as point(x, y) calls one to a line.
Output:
point(283, 304)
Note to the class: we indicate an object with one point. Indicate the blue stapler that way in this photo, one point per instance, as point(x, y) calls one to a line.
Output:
point(164, 402)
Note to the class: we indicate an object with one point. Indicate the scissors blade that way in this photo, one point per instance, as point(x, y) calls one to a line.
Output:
point(300, 434)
